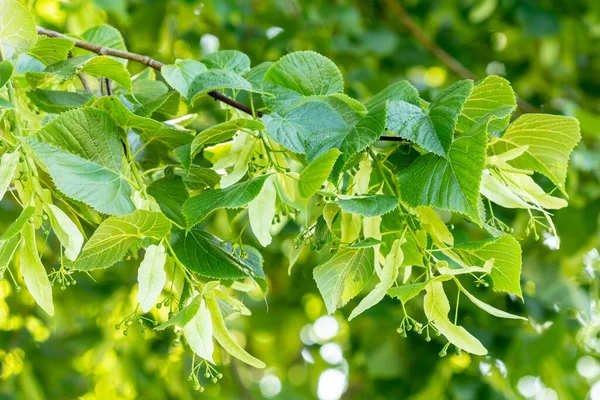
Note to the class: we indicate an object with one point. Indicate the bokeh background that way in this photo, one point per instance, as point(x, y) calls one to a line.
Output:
point(548, 49)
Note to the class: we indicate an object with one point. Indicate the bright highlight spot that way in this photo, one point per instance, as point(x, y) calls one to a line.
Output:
point(273, 31)
point(209, 43)
point(270, 386)
point(326, 328)
point(331, 353)
point(332, 384)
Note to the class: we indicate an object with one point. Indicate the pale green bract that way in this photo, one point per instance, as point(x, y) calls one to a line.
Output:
point(343, 276)
point(67, 232)
point(312, 177)
point(436, 308)
point(151, 276)
point(8, 167)
point(198, 333)
point(33, 271)
point(261, 212)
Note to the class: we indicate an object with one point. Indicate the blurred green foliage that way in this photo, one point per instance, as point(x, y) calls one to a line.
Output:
point(548, 49)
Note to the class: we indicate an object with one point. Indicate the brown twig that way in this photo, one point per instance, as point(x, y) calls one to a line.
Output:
point(109, 91)
point(424, 40)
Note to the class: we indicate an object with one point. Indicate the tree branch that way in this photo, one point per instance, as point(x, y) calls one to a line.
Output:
point(452, 63)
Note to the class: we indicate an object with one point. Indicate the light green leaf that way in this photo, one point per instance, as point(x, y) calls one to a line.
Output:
point(343, 276)
point(213, 258)
point(198, 207)
point(315, 173)
point(223, 336)
point(181, 74)
point(261, 212)
point(125, 118)
point(368, 242)
point(491, 93)
point(65, 230)
point(497, 192)
point(231, 60)
point(372, 205)
point(449, 184)
point(8, 249)
point(433, 224)
point(506, 252)
point(405, 293)
point(8, 167)
point(486, 307)
point(33, 271)
point(115, 236)
point(550, 140)
point(301, 124)
point(109, 68)
point(17, 28)
point(223, 132)
point(184, 316)
point(17, 225)
point(399, 91)
point(5, 104)
point(6, 70)
point(199, 333)
point(387, 277)
point(82, 151)
point(214, 79)
point(303, 73)
point(58, 101)
point(436, 307)
point(151, 276)
point(51, 50)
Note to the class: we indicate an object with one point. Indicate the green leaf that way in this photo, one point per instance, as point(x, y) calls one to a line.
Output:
point(261, 212)
point(349, 141)
point(315, 173)
point(6, 70)
point(212, 258)
point(181, 75)
point(198, 207)
point(65, 230)
point(198, 333)
point(123, 117)
point(490, 94)
point(406, 293)
point(343, 276)
point(82, 151)
point(231, 60)
point(368, 205)
point(8, 249)
point(33, 271)
point(15, 228)
point(215, 79)
point(109, 68)
point(182, 317)
point(51, 50)
point(303, 73)
point(223, 336)
point(550, 140)
point(8, 166)
point(4, 104)
point(387, 277)
point(17, 28)
point(433, 224)
point(113, 238)
point(486, 307)
point(170, 194)
point(58, 101)
point(506, 252)
point(178, 140)
point(199, 177)
point(106, 36)
point(436, 308)
point(151, 276)
point(301, 124)
point(434, 131)
point(223, 132)
point(448, 184)
point(399, 91)
point(368, 242)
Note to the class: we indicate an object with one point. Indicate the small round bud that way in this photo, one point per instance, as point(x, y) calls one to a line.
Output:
point(118, 327)
point(219, 376)
point(214, 380)
point(207, 375)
